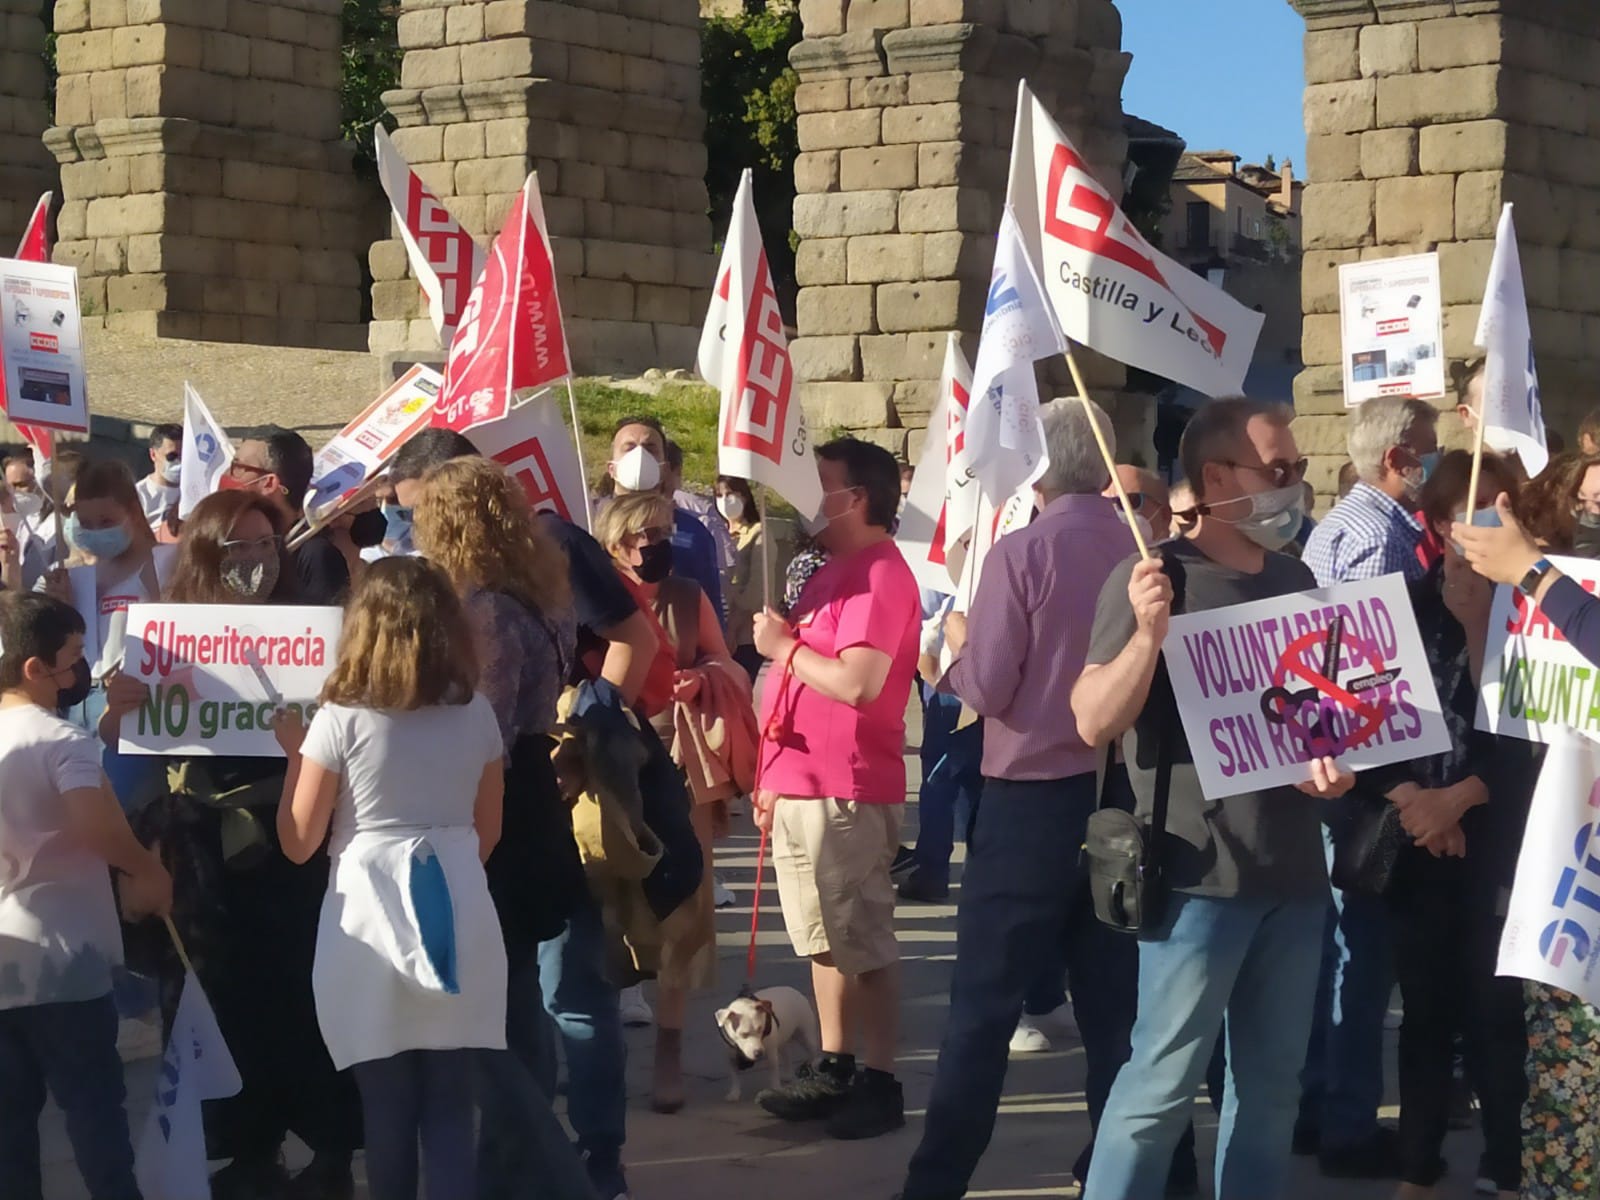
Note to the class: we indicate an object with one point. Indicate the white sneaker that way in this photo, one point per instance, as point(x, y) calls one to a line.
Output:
point(635, 1008)
point(1486, 1186)
point(1029, 1038)
point(721, 894)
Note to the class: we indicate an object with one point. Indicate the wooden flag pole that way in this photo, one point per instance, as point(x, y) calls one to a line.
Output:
point(1477, 455)
point(577, 445)
point(1105, 453)
point(766, 546)
point(177, 944)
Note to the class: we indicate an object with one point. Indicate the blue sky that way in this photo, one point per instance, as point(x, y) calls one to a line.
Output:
point(1225, 74)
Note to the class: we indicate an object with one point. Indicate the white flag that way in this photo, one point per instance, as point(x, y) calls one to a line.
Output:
point(942, 504)
point(207, 453)
point(762, 434)
point(1552, 930)
point(444, 258)
point(171, 1158)
point(1005, 438)
point(1513, 420)
point(532, 443)
point(1111, 289)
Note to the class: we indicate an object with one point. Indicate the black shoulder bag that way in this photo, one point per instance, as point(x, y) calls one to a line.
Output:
point(1121, 853)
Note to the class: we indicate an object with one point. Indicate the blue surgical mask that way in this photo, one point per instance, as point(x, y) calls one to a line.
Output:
point(1484, 518)
point(100, 543)
point(1430, 463)
point(397, 524)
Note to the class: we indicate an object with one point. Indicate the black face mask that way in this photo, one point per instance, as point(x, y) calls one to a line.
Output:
point(367, 529)
point(1586, 542)
point(655, 562)
point(76, 692)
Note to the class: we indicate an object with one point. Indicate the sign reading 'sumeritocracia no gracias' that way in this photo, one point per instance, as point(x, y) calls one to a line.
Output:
point(218, 672)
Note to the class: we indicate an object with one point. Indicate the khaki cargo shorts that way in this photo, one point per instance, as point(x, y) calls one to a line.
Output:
point(832, 858)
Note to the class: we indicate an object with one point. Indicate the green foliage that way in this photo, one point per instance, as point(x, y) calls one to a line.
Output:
point(748, 90)
point(371, 66)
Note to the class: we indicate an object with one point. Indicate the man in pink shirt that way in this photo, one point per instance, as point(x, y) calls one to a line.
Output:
point(833, 784)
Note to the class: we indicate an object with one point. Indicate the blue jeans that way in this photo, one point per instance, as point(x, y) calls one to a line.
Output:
point(582, 1002)
point(1342, 1084)
point(1022, 891)
point(71, 1050)
point(952, 782)
point(1253, 964)
point(418, 1097)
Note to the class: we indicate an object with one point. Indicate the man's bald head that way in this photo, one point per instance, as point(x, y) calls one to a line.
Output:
point(1150, 498)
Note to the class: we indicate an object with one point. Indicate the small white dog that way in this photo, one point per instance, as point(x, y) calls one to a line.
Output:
point(760, 1026)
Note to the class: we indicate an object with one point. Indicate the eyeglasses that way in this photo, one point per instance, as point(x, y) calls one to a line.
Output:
point(264, 547)
point(1141, 500)
point(655, 534)
point(254, 472)
point(1282, 472)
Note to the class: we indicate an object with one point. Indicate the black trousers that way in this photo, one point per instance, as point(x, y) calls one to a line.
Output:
point(1446, 938)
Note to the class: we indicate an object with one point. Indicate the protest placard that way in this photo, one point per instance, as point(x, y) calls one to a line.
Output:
point(369, 441)
point(1552, 929)
point(1534, 682)
point(217, 671)
point(1392, 328)
point(41, 345)
point(1264, 687)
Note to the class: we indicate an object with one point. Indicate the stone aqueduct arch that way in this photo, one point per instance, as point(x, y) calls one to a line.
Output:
point(205, 193)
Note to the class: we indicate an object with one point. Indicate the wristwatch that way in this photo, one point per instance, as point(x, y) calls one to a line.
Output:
point(1535, 576)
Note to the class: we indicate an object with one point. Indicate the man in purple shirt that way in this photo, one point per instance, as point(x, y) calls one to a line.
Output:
point(1023, 897)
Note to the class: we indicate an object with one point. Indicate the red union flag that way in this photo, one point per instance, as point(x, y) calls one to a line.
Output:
point(35, 247)
point(510, 338)
point(744, 352)
point(942, 506)
point(444, 258)
point(1110, 289)
point(534, 447)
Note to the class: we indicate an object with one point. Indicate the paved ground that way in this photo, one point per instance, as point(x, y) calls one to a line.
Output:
point(713, 1150)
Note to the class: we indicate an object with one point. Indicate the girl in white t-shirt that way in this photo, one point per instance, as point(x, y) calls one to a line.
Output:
point(403, 761)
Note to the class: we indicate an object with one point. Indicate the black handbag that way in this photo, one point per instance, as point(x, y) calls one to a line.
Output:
point(1367, 839)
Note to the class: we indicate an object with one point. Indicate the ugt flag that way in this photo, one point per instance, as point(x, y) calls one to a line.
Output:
point(1513, 421)
point(532, 443)
point(35, 247)
point(1005, 438)
point(510, 338)
point(444, 258)
point(762, 434)
point(171, 1157)
point(1552, 930)
point(1112, 290)
point(206, 453)
point(942, 504)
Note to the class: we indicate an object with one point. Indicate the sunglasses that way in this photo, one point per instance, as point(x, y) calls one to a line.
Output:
point(1282, 473)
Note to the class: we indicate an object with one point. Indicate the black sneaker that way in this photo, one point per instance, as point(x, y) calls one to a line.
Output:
point(817, 1092)
point(251, 1179)
point(1376, 1156)
point(874, 1106)
point(905, 862)
point(919, 888)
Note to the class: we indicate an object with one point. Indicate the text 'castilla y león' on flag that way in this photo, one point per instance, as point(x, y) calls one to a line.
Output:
point(1111, 289)
point(510, 338)
point(744, 353)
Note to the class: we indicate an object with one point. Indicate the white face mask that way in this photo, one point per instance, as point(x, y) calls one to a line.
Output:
point(637, 471)
point(28, 504)
point(170, 470)
point(1141, 523)
point(731, 506)
point(1274, 517)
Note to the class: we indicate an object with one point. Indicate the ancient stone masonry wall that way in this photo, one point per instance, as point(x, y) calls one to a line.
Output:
point(1422, 118)
point(26, 169)
point(602, 97)
point(207, 193)
point(906, 116)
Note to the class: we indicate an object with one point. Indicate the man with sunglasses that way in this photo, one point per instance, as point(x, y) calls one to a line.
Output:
point(1152, 504)
point(158, 491)
point(1372, 531)
point(277, 463)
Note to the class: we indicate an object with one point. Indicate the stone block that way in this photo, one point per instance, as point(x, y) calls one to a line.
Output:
point(1439, 97)
point(914, 400)
point(827, 95)
point(1469, 146)
point(821, 260)
point(636, 263)
point(918, 123)
point(936, 210)
point(1388, 152)
point(1332, 157)
point(884, 258)
point(1460, 42)
point(836, 310)
point(954, 255)
point(835, 130)
point(1320, 339)
point(823, 18)
point(931, 304)
point(1464, 270)
point(824, 359)
point(1336, 216)
point(1319, 279)
point(1388, 49)
point(388, 260)
point(431, 68)
point(1332, 55)
point(1479, 197)
point(464, 140)
point(464, 23)
point(866, 168)
point(878, 93)
point(421, 29)
point(504, 58)
point(1419, 209)
point(817, 170)
point(855, 406)
point(120, 216)
point(605, 299)
point(845, 214)
point(877, 14)
point(856, 55)
point(491, 176)
point(1346, 107)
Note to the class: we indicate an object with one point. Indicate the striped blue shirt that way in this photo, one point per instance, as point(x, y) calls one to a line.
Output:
point(1365, 535)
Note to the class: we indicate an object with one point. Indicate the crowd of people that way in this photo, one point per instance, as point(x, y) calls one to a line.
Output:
point(503, 817)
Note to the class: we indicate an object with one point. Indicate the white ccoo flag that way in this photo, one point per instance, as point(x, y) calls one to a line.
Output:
point(534, 446)
point(1005, 439)
point(171, 1159)
point(1111, 289)
point(942, 506)
point(207, 453)
point(444, 258)
point(1513, 420)
point(762, 434)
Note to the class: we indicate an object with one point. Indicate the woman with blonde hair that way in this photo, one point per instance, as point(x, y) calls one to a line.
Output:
point(692, 668)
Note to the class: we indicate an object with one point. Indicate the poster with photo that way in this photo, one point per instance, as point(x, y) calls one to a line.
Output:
point(41, 345)
point(1391, 326)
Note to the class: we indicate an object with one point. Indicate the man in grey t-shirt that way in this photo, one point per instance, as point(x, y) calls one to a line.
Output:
point(1240, 939)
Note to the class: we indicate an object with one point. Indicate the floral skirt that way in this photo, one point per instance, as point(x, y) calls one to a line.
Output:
point(1561, 1120)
